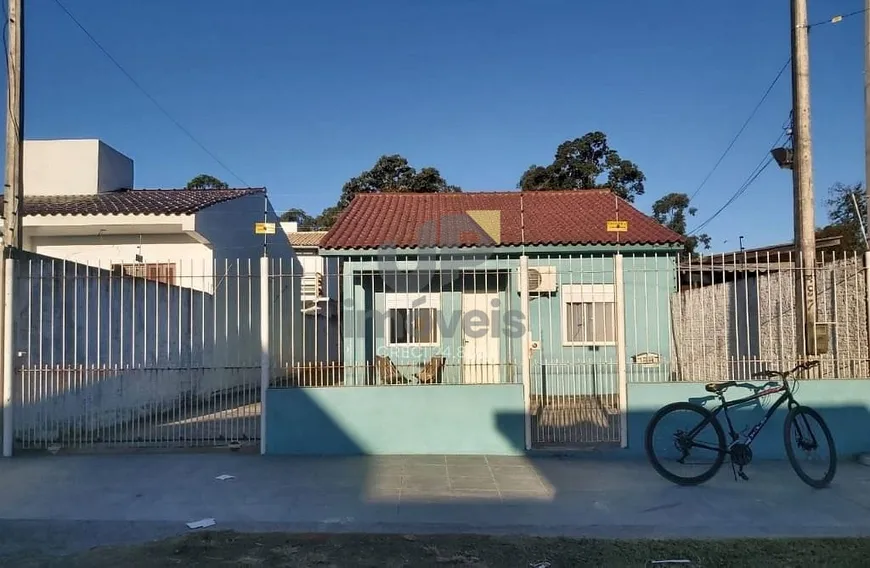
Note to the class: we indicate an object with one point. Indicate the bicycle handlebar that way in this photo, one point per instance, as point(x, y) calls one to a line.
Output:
point(769, 374)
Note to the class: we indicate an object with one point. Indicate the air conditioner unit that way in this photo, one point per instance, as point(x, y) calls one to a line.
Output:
point(542, 279)
point(311, 286)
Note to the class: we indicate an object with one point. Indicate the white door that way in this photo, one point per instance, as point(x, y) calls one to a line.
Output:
point(481, 338)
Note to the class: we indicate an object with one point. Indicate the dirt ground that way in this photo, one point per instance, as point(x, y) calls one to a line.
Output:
point(386, 551)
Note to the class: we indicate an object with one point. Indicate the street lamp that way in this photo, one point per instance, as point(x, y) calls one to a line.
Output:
point(784, 157)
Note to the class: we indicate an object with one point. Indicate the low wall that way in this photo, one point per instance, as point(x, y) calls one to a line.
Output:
point(844, 404)
point(436, 419)
point(57, 404)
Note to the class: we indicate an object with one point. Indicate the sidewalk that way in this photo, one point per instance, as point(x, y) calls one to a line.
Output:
point(67, 503)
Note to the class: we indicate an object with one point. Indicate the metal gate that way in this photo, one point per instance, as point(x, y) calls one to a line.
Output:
point(575, 387)
point(141, 355)
point(577, 405)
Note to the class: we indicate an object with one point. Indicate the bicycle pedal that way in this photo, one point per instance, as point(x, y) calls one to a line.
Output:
point(743, 476)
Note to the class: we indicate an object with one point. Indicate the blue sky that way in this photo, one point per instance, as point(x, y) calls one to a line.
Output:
point(299, 97)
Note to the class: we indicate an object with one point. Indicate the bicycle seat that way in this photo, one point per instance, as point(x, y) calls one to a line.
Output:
point(717, 388)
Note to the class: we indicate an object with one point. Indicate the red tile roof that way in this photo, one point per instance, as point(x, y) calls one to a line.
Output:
point(405, 220)
point(133, 202)
point(304, 239)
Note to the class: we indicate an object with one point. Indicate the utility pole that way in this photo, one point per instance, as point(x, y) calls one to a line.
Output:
point(866, 225)
point(13, 194)
point(867, 114)
point(805, 232)
point(14, 186)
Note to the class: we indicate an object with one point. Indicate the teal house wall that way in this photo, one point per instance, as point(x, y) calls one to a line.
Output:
point(432, 419)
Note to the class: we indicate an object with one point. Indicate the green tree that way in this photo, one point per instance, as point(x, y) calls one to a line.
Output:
point(306, 222)
point(672, 210)
point(587, 162)
point(843, 220)
point(326, 218)
point(205, 181)
point(303, 219)
point(393, 173)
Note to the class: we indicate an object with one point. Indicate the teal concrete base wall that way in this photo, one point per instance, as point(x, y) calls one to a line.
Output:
point(437, 419)
point(844, 405)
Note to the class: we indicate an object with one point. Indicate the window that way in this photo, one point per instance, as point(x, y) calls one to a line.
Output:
point(588, 314)
point(412, 319)
point(159, 272)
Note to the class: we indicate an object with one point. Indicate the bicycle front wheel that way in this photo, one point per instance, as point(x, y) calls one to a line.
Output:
point(807, 436)
point(685, 443)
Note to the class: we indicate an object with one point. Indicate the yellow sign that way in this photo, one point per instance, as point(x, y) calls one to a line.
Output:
point(617, 226)
point(264, 228)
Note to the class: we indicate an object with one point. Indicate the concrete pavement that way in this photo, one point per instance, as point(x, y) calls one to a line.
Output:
point(71, 502)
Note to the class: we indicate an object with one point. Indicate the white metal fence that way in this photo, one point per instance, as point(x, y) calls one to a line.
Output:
point(733, 315)
point(172, 356)
point(113, 358)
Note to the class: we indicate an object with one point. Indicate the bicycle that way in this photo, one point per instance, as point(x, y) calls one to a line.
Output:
point(740, 452)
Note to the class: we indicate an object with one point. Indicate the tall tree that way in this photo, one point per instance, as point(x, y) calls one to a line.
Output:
point(300, 217)
point(393, 173)
point(672, 211)
point(844, 220)
point(326, 218)
point(587, 162)
point(205, 181)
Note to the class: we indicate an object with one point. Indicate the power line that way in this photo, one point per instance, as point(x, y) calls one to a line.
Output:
point(833, 20)
point(762, 165)
point(147, 94)
point(837, 19)
point(742, 128)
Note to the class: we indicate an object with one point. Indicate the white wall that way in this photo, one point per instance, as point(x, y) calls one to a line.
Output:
point(230, 227)
point(115, 170)
point(167, 347)
point(74, 167)
point(194, 262)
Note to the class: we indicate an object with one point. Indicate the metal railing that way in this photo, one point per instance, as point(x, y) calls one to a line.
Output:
point(733, 315)
point(118, 359)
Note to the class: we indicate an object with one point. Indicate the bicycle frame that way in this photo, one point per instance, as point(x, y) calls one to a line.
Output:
point(726, 404)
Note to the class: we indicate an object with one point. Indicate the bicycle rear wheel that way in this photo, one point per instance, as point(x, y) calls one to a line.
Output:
point(809, 437)
point(676, 438)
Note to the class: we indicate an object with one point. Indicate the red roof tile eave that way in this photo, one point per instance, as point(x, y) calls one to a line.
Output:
point(614, 244)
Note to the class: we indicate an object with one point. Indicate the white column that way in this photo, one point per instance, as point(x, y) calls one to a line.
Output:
point(621, 365)
point(526, 348)
point(8, 356)
point(265, 362)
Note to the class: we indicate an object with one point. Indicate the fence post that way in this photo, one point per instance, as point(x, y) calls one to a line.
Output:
point(265, 362)
point(621, 370)
point(526, 348)
point(8, 355)
point(867, 298)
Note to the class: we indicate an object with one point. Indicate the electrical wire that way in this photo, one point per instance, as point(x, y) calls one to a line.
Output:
point(762, 165)
point(147, 94)
point(833, 20)
point(742, 128)
point(837, 18)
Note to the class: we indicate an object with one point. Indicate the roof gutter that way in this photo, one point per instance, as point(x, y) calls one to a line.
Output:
point(513, 249)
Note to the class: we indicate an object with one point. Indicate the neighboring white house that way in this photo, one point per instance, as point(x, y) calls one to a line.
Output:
point(320, 285)
point(79, 205)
